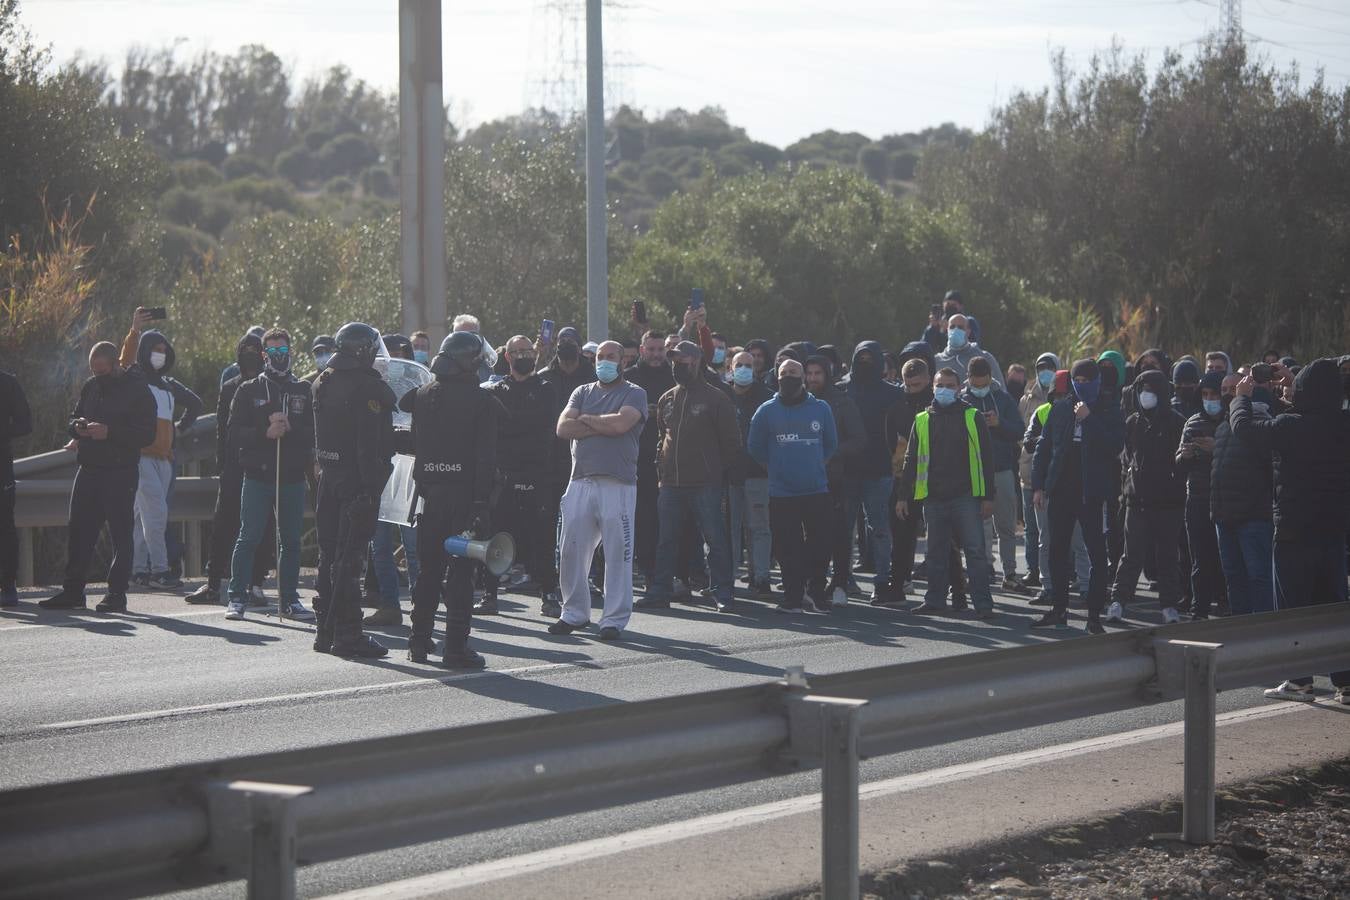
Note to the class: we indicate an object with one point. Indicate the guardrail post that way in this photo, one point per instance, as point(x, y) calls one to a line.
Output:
point(26, 575)
point(1197, 813)
point(826, 729)
point(271, 836)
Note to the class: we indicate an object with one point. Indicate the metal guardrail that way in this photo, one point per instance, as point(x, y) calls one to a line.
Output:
point(149, 832)
point(43, 482)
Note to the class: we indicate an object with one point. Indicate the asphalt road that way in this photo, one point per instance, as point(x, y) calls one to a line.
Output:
point(167, 683)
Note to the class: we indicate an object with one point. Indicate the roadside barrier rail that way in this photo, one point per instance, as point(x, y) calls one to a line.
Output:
point(251, 817)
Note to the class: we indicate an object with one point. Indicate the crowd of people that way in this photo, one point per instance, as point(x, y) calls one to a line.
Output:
point(689, 460)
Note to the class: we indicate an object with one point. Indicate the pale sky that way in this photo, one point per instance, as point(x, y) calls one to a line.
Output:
point(781, 69)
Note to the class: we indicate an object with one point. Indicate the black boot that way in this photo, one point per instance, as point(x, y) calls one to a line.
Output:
point(112, 602)
point(63, 600)
point(420, 647)
point(458, 655)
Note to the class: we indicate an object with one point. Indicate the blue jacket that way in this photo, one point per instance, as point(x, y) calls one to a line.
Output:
point(1103, 439)
point(794, 443)
point(874, 398)
point(1008, 435)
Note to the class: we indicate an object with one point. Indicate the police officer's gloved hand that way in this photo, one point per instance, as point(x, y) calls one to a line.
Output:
point(481, 523)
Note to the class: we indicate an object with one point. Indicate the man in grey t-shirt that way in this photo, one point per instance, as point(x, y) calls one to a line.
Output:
point(603, 420)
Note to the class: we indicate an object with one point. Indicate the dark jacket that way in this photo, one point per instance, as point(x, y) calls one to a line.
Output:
point(170, 395)
point(1311, 452)
point(1103, 435)
point(455, 424)
point(745, 466)
point(525, 433)
point(563, 384)
point(1196, 469)
point(1241, 478)
point(1127, 403)
point(124, 404)
point(1151, 479)
point(949, 456)
point(655, 380)
point(16, 418)
point(1007, 435)
point(700, 437)
point(900, 422)
point(874, 398)
point(848, 426)
point(354, 430)
point(250, 411)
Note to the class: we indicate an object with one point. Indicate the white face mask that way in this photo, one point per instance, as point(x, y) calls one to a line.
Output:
point(157, 360)
point(1147, 400)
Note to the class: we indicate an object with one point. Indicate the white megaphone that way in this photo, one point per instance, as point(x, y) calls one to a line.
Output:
point(496, 553)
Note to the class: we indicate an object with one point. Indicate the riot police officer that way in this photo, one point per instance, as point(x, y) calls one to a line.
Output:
point(454, 443)
point(524, 446)
point(354, 434)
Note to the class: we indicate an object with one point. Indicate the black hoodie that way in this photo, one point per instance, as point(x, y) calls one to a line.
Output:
point(168, 393)
point(1311, 447)
point(1151, 479)
point(874, 398)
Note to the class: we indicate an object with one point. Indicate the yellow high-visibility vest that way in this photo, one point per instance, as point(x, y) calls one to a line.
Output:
point(972, 446)
point(1043, 412)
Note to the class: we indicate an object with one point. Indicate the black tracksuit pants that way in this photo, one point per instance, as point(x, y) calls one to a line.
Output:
point(841, 537)
point(1068, 506)
point(646, 522)
point(802, 542)
point(345, 531)
point(1206, 575)
point(521, 509)
point(1149, 532)
point(101, 495)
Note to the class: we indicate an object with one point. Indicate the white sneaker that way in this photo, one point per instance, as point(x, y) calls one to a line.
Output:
point(297, 610)
point(1342, 696)
point(235, 610)
point(1171, 616)
point(839, 597)
point(1115, 612)
point(1290, 691)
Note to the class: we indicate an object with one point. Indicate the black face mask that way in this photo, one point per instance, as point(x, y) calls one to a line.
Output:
point(568, 352)
point(863, 368)
point(683, 372)
point(278, 363)
point(522, 365)
point(1187, 391)
point(790, 386)
point(250, 363)
point(1015, 388)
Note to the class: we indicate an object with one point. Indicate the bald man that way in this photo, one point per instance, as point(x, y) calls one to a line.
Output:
point(603, 421)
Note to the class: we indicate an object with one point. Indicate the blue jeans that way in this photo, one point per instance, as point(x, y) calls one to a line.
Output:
point(255, 503)
point(1031, 534)
point(705, 505)
point(874, 496)
point(959, 519)
point(748, 506)
point(386, 570)
point(1248, 567)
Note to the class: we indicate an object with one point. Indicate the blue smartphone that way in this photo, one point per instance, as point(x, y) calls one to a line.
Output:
point(696, 298)
point(546, 331)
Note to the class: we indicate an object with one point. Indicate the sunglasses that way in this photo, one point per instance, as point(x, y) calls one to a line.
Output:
point(277, 351)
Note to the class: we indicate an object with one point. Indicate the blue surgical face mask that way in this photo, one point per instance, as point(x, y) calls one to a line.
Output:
point(420, 356)
point(1046, 378)
point(944, 396)
point(1213, 407)
point(981, 391)
point(956, 338)
point(607, 370)
point(743, 375)
point(719, 355)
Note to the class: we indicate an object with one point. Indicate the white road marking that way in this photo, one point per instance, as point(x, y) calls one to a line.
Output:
point(244, 703)
point(569, 854)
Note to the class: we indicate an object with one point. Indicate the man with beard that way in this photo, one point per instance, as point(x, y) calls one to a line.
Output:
point(113, 420)
point(524, 445)
point(652, 374)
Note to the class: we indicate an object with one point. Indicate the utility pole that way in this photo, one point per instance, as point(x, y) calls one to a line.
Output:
point(1231, 10)
point(597, 255)
point(421, 134)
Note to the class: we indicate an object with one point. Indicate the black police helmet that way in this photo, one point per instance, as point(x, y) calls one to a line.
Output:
point(357, 345)
point(461, 352)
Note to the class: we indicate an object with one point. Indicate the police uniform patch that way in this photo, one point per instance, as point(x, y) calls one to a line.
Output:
point(815, 424)
point(374, 405)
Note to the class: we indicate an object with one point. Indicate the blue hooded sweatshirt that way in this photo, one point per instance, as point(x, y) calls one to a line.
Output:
point(793, 442)
point(874, 398)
